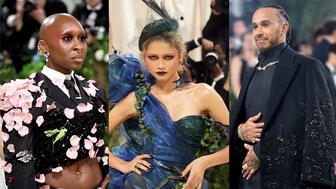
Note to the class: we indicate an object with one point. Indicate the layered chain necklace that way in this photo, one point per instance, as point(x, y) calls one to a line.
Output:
point(263, 68)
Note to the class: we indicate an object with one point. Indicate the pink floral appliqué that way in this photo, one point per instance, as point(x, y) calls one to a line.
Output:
point(94, 128)
point(40, 178)
point(69, 113)
point(39, 120)
point(101, 109)
point(79, 77)
point(91, 90)
point(41, 99)
point(51, 106)
point(72, 152)
point(84, 107)
point(10, 148)
point(57, 169)
point(5, 136)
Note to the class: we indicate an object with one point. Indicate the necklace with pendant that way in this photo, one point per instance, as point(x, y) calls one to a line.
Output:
point(263, 68)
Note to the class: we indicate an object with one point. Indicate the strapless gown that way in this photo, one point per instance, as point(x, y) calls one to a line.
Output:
point(172, 144)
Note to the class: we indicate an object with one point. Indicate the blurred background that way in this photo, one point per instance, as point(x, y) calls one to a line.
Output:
point(313, 25)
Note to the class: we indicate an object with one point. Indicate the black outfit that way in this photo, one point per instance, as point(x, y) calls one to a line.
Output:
point(50, 143)
point(200, 71)
point(244, 70)
point(298, 142)
point(216, 29)
point(321, 51)
point(219, 88)
point(90, 18)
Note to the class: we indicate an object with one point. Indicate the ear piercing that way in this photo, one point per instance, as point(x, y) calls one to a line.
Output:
point(46, 55)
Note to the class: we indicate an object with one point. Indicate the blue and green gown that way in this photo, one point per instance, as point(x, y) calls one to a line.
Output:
point(172, 145)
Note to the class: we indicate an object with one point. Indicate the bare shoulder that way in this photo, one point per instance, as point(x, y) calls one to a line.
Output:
point(203, 89)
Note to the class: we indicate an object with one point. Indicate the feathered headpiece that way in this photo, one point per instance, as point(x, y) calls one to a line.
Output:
point(166, 24)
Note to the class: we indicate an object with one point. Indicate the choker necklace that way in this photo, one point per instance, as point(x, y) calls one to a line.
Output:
point(263, 68)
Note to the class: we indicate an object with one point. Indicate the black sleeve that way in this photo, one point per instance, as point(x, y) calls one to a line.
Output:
point(191, 45)
point(320, 129)
point(19, 165)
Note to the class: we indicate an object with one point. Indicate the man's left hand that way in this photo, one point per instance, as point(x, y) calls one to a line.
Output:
point(251, 163)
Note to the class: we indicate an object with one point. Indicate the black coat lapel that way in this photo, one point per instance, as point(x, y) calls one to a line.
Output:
point(54, 92)
point(283, 75)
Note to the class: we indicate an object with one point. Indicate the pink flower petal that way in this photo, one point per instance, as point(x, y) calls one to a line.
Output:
point(40, 178)
point(10, 148)
point(107, 151)
point(81, 107)
point(39, 120)
point(8, 117)
point(94, 129)
point(89, 106)
point(23, 131)
point(100, 143)
point(74, 140)
point(41, 99)
point(8, 168)
point(9, 127)
point(88, 144)
point(79, 77)
point(34, 88)
point(84, 107)
point(28, 117)
point(101, 109)
point(18, 126)
point(5, 136)
point(18, 116)
point(14, 100)
point(92, 139)
point(51, 106)
point(92, 153)
point(69, 113)
point(90, 91)
point(72, 153)
point(57, 169)
point(5, 104)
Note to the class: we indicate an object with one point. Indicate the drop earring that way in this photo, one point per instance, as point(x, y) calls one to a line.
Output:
point(46, 55)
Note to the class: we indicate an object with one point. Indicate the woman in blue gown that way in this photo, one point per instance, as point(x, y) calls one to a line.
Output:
point(163, 116)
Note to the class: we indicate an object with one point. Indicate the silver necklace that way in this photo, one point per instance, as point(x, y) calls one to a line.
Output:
point(263, 68)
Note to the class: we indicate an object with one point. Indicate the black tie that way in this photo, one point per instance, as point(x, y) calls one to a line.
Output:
point(70, 85)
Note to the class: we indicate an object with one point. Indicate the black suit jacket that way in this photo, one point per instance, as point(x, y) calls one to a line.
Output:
point(22, 175)
point(298, 141)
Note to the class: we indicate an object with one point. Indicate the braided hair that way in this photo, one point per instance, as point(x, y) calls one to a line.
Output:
point(282, 16)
